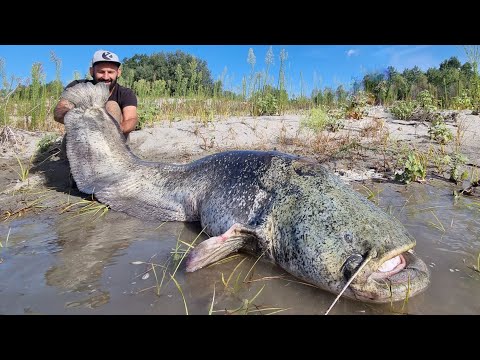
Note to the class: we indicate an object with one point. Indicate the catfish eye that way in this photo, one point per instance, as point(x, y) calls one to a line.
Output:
point(351, 265)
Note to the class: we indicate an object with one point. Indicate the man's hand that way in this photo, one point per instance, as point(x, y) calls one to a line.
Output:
point(61, 110)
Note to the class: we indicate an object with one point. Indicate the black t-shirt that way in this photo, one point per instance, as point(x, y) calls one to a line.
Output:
point(122, 95)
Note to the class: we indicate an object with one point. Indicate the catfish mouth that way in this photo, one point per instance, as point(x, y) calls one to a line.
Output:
point(395, 277)
point(390, 267)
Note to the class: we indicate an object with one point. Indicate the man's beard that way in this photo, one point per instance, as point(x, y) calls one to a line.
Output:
point(111, 86)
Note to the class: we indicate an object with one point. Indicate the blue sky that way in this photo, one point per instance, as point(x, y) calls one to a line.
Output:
point(317, 65)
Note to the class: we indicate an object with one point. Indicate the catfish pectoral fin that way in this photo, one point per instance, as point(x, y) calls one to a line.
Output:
point(218, 247)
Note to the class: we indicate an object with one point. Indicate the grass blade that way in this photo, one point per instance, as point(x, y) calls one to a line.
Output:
point(213, 300)
point(181, 293)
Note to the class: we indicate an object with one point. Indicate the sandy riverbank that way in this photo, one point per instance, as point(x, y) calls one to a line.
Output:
point(366, 148)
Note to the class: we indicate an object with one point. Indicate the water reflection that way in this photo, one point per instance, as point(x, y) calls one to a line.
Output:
point(87, 247)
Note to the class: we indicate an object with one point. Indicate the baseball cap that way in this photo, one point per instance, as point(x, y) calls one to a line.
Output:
point(104, 55)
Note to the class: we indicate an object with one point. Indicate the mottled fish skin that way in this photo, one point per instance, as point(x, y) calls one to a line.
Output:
point(316, 222)
point(302, 217)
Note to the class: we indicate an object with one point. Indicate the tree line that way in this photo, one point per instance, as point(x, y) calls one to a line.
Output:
point(178, 74)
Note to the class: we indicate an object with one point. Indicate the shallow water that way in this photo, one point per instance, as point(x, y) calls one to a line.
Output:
point(66, 264)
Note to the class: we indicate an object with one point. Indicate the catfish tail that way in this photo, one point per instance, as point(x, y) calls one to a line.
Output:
point(86, 95)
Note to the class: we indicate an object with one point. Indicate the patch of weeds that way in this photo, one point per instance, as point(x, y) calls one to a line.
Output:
point(264, 104)
point(457, 160)
point(415, 168)
point(178, 254)
point(439, 132)
point(33, 205)
point(356, 105)
point(147, 114)
point(46, 142)
point(441, 162)
point(462, 102)
point(318, 119)
point(24, 171)
point(403, 110)
point(86, 206)
point(232, 284)
point(427, 102)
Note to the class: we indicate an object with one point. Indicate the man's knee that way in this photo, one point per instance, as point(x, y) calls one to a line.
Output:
point(114, 109)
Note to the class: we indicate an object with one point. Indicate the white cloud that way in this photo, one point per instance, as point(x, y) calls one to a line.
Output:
point(352, 52)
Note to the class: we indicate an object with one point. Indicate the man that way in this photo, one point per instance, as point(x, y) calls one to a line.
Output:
point(122, 103)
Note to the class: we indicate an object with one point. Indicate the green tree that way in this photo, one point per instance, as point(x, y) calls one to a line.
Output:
point(179, 70)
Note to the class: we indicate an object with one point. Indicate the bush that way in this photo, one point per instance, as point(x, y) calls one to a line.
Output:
point(462, 102)
point(439, 132)
point(264, 104)
point(403, 110)
point(319, 119)
point(415, 169)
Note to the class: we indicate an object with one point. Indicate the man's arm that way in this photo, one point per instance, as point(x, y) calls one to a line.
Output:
point(61, 109)
point(130, 119)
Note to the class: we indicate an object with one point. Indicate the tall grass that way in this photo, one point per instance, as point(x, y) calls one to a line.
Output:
point(29, 103)
point(8, 89)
